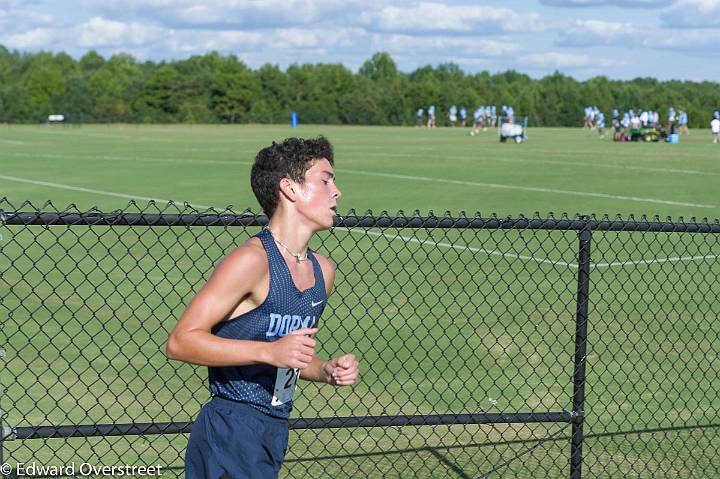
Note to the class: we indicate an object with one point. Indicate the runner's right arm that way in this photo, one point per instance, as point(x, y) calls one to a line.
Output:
point(241, 276)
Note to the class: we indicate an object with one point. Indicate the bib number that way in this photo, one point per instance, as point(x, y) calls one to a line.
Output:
point(285, 383)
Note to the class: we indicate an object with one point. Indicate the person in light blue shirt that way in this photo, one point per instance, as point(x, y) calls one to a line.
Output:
point(452, 114)
point(463, 116)
point(431, 117)
point(420, 117)
point(625, 122)
point(683, 123)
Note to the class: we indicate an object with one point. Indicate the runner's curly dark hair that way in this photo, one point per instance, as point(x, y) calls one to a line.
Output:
point(289, 159)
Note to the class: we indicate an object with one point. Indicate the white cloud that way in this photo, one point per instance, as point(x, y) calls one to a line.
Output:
point(95, 33)
point(697, 42)
point(18, 18)
point(604, 3)
point(444, 46)
point(625, 35)
point(229, 14)
point(428, 17)
point(693, 13)
point(566, 60)
point(582, 33)
point(100, 32)
point(32, 39)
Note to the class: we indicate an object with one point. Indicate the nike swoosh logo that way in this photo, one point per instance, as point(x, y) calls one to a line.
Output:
point(315, 304)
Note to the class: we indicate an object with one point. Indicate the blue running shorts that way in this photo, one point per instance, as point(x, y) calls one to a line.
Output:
point(232, 439)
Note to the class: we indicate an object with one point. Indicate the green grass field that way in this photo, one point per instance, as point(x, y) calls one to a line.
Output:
point(444, 321)
point(378, 168)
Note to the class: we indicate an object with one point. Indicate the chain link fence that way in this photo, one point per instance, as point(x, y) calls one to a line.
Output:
point(471, 334)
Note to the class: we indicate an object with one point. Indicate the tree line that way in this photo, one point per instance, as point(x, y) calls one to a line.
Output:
point(215, 88)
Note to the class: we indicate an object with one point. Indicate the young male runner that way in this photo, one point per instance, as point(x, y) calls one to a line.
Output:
point(254, 322)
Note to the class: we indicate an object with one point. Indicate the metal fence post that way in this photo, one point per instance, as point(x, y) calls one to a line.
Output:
point(585, 236)
point(2, 357)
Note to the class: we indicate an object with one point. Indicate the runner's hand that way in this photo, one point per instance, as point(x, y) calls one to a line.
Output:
point(342, 371)
point(295, 350)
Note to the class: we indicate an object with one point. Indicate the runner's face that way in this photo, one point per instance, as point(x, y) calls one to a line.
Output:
point(318, 195)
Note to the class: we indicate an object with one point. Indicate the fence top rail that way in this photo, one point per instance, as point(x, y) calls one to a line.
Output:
point(215, 219)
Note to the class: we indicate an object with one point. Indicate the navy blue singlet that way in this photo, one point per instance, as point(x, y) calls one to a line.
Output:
point(285, 309)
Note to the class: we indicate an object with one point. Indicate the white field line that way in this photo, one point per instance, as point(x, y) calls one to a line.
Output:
point(461, 248)
point(528, 188)
point(14, 142)
point(95, 192)
point(372, 233)
point(673, 259)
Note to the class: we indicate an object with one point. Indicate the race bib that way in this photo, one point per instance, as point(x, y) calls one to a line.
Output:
point(285, 383)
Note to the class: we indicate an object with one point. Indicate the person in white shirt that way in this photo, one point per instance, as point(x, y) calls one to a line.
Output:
point(715, 127)
point(683, 122)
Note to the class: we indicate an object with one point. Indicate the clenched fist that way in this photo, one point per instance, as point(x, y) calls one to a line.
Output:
point(342, 371)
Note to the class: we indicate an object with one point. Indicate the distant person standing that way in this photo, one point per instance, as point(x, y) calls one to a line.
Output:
point(477, 118)
point(588, 117)
point(600, 124)
point(715, 127)
point(420, 117)
point(431, 117)
point(625, 123)
point(452, 114)
point(683, 123)
point(671, 120)
point(463, 116)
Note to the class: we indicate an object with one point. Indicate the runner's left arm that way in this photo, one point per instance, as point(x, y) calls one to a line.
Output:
point(342, 371)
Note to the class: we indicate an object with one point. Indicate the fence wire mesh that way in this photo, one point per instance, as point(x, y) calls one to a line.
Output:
point(465, 328)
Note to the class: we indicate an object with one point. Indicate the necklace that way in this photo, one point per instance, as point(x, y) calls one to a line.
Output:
point(298, 256)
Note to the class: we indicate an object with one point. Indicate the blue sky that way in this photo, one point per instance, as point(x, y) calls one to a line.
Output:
point(622, 39)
